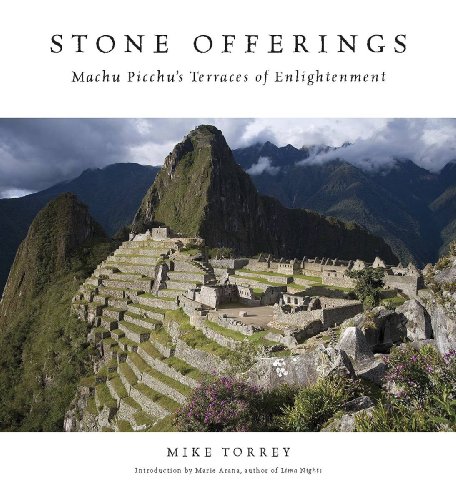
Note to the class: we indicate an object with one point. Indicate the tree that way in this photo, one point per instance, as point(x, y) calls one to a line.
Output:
point(368, 285)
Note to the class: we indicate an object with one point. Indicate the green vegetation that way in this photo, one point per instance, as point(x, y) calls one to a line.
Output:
point(124, 426)
point(128, 373)
point(157, 397)
point(368, 285)
point(316, 404)
point(226, 404)
point(424, 395)
point(44, 350)
point(167, 424)
point(184, 368)
point(103, 397)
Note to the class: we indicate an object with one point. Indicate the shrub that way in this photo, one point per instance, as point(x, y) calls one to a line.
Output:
point(368, 285)
point(222, 405)
point(316, 404)
point(422, 393)
point(227, 404)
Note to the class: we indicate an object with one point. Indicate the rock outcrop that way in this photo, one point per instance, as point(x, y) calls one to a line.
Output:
point(353, 345)
point(201, 191)
point(417, 320)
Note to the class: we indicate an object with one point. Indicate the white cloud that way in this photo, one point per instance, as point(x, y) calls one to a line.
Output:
point(37, 153)
point(263, 165)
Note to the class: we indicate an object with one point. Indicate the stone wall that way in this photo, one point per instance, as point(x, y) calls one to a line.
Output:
point(232, 324)
point(166, 370)
point(336, 315)
point(406, 284)
point(337, 279)
point(204, 361)
point(229, 263)
point(297, 319)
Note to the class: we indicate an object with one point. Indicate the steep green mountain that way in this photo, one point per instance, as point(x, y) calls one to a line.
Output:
point(43, 349)
point(444, 206)
point(408, 206)
point(112, 194)
point(201, 191)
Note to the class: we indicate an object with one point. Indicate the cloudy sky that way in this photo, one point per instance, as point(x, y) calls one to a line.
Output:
point(37, 153)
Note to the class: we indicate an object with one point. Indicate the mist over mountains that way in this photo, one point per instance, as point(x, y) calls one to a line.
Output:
point(413, 209)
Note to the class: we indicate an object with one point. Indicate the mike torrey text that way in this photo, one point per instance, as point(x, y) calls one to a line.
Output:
point(208, 452)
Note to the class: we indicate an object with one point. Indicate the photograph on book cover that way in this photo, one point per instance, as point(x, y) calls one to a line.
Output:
point(291, 275)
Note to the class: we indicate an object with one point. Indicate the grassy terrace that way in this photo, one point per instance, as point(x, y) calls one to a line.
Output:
point(162, 337)
point(195, 338)
point(152, 322)
point(157, 397)
point(128, 373)
point(185, 369)
point(119, 387)
point(124, 426)
point(145, 308)
point(170, 382)
point(104, 397)
point(255, 279)
point(152, 296)
point(282, 275)
point(142, 418)
point(164, 425)
point(134, 328)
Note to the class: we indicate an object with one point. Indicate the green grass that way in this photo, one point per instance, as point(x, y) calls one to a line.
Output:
point(394, 301)
point(197, 340)
point(128, 373)
point(157, 397)
point(165, 425)
point(316, 279)
point(88, 381)
point(266, 273)
point(170, 382)
point(152, 351)
point(258, 339)
point(92, 406)
point(142, 418)
point(119, 387)
point(127, 343)
point(184, 368)
point(124, 426)
point(134, 328)
point(131, 402)
point(226, 332)
point(152, 322)
point(138, 361)
point(104, 397)
point(255, 279)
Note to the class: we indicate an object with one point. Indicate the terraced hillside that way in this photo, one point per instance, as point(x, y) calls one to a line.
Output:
point(151, 357)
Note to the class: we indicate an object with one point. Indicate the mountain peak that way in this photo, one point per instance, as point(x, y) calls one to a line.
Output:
point(201, 191)
point(60, 228)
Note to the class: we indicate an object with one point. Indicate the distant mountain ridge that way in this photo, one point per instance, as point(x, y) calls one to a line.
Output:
point(413, 209)
point(112, 194)
point(202, 191)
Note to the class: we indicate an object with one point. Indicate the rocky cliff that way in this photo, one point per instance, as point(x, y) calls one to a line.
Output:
point(201, 191)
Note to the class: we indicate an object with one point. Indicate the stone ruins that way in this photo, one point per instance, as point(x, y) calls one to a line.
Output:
point(163, 315)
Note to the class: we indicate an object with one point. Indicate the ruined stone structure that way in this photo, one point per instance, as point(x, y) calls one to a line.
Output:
point(157, 313)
